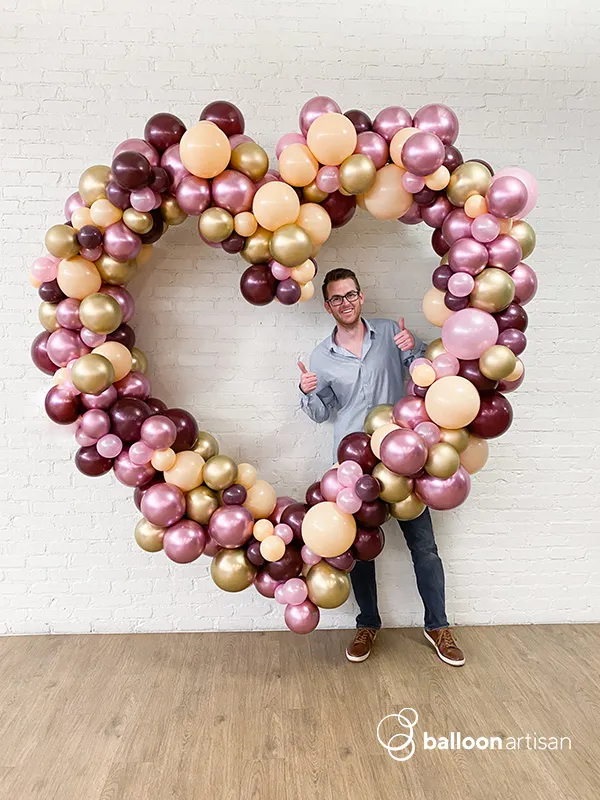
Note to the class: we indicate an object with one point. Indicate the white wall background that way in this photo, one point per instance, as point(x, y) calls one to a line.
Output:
point(75, 79)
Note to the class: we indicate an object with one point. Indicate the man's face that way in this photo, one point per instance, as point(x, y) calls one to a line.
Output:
point(347, 312)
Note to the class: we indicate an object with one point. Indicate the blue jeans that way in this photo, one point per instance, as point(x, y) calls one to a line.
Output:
point(429, 573)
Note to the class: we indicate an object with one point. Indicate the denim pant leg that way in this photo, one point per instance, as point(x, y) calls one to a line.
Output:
point(365, 592)
point(429, 571)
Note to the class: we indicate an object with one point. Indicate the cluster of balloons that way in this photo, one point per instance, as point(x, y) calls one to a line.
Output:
point(419, 452)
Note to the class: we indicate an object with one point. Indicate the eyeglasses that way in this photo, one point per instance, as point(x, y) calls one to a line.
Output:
point(338, 299)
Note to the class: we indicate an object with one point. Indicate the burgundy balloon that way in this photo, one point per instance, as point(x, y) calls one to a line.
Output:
point(313, 494)
point(494, 417)
point(345, 561)
point(89, 236)
point(39, 354)
point(212, 548)
point(514, 339)
point(341, 208)
point(368, 544)
point(513, 316)
point(160, 180)
point(281, 503)
point(511, 386)
point(124, 334)
point(131, 170)
point(390, 120)
point(134, 384)
point(367, 488)
point(140, 491)
point(118, 196)
point(453, 158)
point(470, 370)
point(373, 514)
point(289, 566)
point(258, 285)
point(225, 115)
point(420, 391)
point(264, 583)
point(441, 276)
point(89, 461)
point(293, 515)
point(157, 229)
point(127, 416)
point(61, 407)
point(457, 225)
point(425, 197)
point(455, 303)
point(288, 292)
point(234, 495)
point(234, 243)
point(187, 428)
point(50, 292)
point(360, 120)
point(444, 494)
point(155, 405)
point(439, 244)
point(412, 216)
point(356, 446)
point(435, 213)
point(163, 130)
point(253, 553)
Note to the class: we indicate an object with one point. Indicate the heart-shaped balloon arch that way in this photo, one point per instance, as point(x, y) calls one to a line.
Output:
point(419, 452)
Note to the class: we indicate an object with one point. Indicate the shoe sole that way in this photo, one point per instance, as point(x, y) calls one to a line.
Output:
point(357, 658)
point(442, 657)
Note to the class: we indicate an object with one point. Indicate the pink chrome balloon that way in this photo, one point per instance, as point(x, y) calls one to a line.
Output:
point(429, 432)
point(373, 145)
point(134, 384)
point(233, 191)
point(64, 345)
point(171, 161)
point(123, 298)
point(302, 618)
point(328, 179)
point(264, 583)
point(67, 314)
point(485, 228)
point(184, 542)
point(231, 526)
point(506, 197)
point(527, 180)
point(438, 119)
point(95, 423)
point(143, 199)
point(409, 412)
point(193, 195)
point(138, 146)
point(286, 140)
point(158, 432)
point(467, 255)
point(403, 452)
point(103, 400)
point(390, 120)
point(461, 284)
point(309, 557)
point(120, 243)
point(91, 338)
point(504, 252)
point(444, 494)
point(132, 474)
point(456, 225)
point(526, 283)
point(316, 107)
point(109, 446)
point(140, 453)
point(295, 591)
point(163, 504)
point(73, 201)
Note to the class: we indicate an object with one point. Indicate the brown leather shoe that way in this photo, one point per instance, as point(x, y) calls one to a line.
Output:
point(445, 646)
point(360, 647)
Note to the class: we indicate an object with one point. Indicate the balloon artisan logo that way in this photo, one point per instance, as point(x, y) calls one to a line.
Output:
point(400, 746)
point(419, 452)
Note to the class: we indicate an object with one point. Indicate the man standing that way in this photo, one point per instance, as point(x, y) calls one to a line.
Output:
point(361, 365)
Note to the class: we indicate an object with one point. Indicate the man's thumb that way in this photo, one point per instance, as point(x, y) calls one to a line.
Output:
point(401, 323)
point(302, 367)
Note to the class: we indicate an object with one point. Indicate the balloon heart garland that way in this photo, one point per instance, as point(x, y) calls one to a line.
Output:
point(419, 452)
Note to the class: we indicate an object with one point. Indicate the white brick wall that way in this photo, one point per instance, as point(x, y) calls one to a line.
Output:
point(75, 79)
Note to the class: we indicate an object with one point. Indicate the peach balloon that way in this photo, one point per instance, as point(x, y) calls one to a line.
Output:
point(397, 144)
point(316, 221)
point(452, 402)
point(475, 206)
point(118, 355)
point(33, 281)
point(261, 499)
point(80, 217)
point(275, 204)
point(331, 138)
point(103, 213)
point(262, 529)
point(246, 475)
point(186, 472)
point(245, 223)
point(297, 165)
point(379, 435)
point(475, 456)
point(163, 460)
point(204, 150)
point(439, 179)
point(78, 277)
point(327, 531)
point(144, 255)
point(423, 375)
point(272, 548)
point(434, 308)
point(307, 292)
point(387, 198)
point(304, 273)
point(517, 371)
point(505, 225)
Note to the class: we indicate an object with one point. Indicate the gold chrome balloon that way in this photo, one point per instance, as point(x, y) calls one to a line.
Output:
point(290, 245)
point(444, 260)
point(93, 183)
point(328, 587)
point(312, 193)
point(115, 272)
point(47, 316)
point(468, 179)
point(256, 249)
point(206, 445)
point(200, 504)
point(408, 509)
point(100, 313)
point(231, 570)
point(171, 211)
point(436, 348)
point(61, 241)
point(92, 374)
point(494, 290)
point(138, 221)
point(215, 224)
point(378, 416)
point(525, 236)
point(139, 362)
point(250, 159)
point(442, 461)
point(395, 488)
point(517, 371)
point(149, 536)
point(220, 472)
point(357, 174)
point(457, 437)
point(497, 362)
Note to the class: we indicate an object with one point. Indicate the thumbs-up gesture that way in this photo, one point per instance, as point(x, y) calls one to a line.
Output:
point(404, 340)
point(308, 380)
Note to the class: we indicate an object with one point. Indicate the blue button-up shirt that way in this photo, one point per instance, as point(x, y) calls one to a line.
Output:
point(352, 385)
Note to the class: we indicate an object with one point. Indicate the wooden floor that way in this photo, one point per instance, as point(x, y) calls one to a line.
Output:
point(278, 716)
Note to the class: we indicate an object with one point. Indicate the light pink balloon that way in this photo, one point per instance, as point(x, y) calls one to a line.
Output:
point(139, 453)
point(73, 201)
point(485, 228)
point(279, 271)
point(132, 474)
point(348, 501)
point(529, 182)
point(309, 557)
point(443, 494)
point(429, 432)
point(295, 591)
point(44, 269)
point(120, 243)
point(526, 283)
point(158, 432)
point(403, 452)
point(83, 440)
point(446, 364)
point(328, 179)
point(64, 345)
point(349, 472)
point(109, 446)
point(412, 183)
point(461, 284)
point(95, 423)
point(231, 526)
point(284, 532)
point(142, 200)
point(184, 542)
point(193, 195)
point(467, 333)
point(280, 595)
point(330, 485)
point(371, 144)
point(286, 140)
point(409, 412)
point(302, 618)
point(138, 146)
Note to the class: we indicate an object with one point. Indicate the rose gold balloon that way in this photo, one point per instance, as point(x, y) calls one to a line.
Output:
point(397, 143)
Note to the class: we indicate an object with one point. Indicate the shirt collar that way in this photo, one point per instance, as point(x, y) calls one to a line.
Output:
point(370, 329)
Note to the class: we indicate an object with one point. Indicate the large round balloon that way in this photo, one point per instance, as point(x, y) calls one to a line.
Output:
point(327, 531)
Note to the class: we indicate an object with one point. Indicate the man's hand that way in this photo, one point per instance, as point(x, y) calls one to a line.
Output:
point(308, 380)
point(404, 340)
